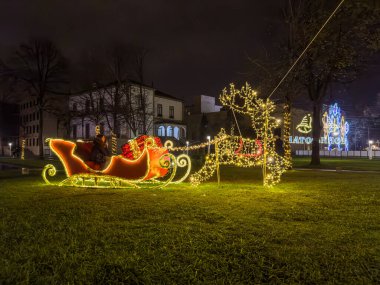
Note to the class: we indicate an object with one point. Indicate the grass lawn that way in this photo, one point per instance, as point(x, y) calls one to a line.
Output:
point(343, 163)
point(314, 228)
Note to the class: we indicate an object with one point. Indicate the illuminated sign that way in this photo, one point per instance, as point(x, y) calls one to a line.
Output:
point(335, 128)
point(309, 140)
point(305, 125)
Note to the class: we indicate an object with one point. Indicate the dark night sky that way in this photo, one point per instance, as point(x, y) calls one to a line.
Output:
point(197, 47)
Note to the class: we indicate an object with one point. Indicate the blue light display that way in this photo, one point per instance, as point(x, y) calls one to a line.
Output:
point(335, 128)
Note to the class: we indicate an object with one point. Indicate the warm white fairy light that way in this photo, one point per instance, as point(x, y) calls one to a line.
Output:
point(244, 152)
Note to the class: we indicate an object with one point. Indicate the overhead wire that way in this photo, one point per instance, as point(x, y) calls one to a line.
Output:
point(306, 48)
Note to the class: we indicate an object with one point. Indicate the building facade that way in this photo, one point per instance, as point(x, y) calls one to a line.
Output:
point(127, 110)
point(53, 121)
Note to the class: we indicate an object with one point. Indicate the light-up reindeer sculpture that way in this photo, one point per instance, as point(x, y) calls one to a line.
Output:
point(244, 152)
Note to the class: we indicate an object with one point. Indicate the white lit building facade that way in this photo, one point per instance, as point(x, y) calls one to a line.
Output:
point(163, 115)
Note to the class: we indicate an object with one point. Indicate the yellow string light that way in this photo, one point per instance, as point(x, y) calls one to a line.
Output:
point(286, 137)
point(244, 152)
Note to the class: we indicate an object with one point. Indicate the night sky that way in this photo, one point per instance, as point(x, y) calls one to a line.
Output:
point(196, 47)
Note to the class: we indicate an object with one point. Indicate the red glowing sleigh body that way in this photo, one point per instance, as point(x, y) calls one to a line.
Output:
point(144, 160)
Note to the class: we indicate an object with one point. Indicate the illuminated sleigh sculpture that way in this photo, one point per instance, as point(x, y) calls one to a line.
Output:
point(245, 152)
point(153, 167)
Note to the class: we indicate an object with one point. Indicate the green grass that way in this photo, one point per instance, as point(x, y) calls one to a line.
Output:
point(359, 164)
point(313, 228)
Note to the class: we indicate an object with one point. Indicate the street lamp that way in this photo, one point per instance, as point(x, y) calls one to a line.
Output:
point(208, 149)
point(370, 142)
point(187, 147)
point(10, 149)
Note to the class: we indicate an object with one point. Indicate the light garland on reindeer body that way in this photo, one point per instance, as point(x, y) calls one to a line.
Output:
point(239, 151)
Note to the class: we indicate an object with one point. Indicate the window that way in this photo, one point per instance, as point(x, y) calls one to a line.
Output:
point(87, 131)
point(101, 103)
point(169, 131)
point(176, 133)
point(141, 129)
point(161, 131)
point(37, 128)
point(34, 116)
point(34, 128)
point(38, 115)
point(74, 131)
point(34, 141)
point(171, 112)
point(141, 102)
point(159, 110)
point(87, 105)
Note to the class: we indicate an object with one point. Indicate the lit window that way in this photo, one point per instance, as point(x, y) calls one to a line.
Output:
point(176, 132)
point(169, 131)
point(161, 131)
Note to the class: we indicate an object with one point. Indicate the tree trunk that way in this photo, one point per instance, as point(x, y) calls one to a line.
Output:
point(40, 134)
point(315, 159)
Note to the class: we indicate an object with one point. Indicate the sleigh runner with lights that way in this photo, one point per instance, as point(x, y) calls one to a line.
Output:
point(145, 161)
